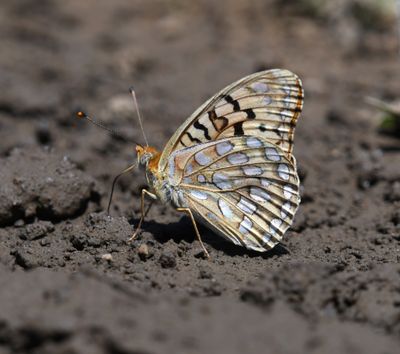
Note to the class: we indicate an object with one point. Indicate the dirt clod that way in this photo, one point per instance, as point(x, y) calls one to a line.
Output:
point(39, 183)
point(167, 260)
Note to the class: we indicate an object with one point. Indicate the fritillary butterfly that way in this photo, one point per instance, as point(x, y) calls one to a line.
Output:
point(230, 164)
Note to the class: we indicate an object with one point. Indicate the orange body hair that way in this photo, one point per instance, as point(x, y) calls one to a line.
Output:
point(153, 162)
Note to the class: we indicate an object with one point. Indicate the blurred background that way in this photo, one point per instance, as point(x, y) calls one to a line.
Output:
point(60, 56)
point(338, 265)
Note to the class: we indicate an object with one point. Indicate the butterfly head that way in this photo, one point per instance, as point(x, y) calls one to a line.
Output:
point(148, 156)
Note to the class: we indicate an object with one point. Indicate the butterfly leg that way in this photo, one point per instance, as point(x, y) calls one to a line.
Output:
point(143, 213)
point(189, 212)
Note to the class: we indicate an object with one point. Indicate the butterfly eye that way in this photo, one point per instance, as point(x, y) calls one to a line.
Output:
point(145, 157)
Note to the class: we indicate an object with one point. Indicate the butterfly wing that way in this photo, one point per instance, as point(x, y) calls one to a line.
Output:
point(245, 188)
point(265, 104)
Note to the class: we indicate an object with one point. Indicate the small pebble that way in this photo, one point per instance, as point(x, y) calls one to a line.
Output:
point(19, 223)
point(143, 252)
point(44, 242)
point(107, 257)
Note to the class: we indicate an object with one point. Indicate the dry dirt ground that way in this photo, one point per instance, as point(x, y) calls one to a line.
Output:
point(69, 281)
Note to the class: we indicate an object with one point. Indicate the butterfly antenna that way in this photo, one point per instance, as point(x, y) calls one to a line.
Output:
point(83, 115)
point(130, 168)
point(132, 91)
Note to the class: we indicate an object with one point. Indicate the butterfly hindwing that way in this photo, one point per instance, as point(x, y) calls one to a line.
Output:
point(244, 187)
point(265, 104)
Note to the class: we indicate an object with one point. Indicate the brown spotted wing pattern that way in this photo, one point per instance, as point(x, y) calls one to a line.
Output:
point(244, 188)
point(265, 104)
point(231, 162)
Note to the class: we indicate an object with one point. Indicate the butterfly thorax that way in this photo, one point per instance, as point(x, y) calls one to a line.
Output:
point(149, 157)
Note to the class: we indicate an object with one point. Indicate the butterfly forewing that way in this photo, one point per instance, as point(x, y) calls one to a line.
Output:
point(244, 187)
point(265, 104)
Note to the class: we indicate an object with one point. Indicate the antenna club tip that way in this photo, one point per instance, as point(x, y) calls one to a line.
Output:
point(131, 89)
point(81, 114)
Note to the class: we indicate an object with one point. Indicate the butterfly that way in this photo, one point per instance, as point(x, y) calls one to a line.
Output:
point(230, 165)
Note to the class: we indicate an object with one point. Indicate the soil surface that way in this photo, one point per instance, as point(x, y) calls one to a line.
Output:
point(70, 283)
